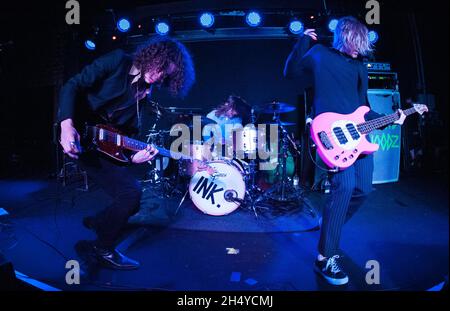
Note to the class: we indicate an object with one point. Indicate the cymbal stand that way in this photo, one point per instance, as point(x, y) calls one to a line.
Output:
point(253, 192)
point(283, 191)
point(160, 185)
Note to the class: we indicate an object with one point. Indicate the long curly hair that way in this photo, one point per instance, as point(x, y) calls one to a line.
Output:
point(352, 35)
point(158, 54)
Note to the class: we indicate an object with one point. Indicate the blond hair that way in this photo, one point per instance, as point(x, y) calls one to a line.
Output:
point(352, 35)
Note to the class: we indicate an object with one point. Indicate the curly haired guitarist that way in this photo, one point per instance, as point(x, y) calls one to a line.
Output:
point(113, 88)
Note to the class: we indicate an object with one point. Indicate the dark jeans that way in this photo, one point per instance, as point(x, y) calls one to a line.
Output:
point(349, 189)
point(116, 180)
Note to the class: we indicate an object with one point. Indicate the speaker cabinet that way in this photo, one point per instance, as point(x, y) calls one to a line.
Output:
point(387, 158)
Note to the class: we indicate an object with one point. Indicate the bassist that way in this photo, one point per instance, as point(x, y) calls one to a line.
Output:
point(339, 80)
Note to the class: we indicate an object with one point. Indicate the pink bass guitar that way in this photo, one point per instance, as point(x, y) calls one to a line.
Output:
point(340, 138)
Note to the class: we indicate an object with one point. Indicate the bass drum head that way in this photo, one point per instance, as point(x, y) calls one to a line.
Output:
point(208, 188)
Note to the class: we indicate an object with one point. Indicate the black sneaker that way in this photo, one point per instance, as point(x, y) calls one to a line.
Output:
point(330, 271)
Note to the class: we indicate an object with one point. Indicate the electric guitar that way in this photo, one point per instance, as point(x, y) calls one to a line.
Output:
point(111, 142)
point(340, 138)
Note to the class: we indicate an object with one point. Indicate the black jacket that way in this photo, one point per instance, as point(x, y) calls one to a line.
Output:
point(102, 91)
point(339, 82)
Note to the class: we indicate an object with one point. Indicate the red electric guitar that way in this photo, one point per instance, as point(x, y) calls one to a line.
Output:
point(111, 142)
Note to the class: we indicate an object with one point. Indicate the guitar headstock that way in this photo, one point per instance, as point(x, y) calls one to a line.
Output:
point(420, 108)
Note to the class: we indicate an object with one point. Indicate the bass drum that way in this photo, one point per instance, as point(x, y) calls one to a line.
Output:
point(218, 188)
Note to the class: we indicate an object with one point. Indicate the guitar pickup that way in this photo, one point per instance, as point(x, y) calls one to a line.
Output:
point(340, 135)
point(325, 140)
point(353, 132)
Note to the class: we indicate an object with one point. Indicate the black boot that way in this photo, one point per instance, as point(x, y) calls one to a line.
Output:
point(108, 258)
point(90, 223)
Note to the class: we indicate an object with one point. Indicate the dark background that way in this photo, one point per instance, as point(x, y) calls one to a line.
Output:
point(40, 52)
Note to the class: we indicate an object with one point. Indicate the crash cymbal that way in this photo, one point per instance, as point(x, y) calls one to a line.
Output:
point(276, 107)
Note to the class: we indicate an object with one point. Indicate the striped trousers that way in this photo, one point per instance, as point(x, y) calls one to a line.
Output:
point(349, 189)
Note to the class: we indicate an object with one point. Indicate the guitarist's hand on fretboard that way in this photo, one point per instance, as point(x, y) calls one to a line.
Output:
point(144, 155)
point(70, 139)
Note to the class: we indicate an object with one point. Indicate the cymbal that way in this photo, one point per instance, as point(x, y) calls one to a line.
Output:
point(276, 107)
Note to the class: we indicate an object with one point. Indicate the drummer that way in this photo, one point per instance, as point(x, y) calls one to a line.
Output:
point(234, 112)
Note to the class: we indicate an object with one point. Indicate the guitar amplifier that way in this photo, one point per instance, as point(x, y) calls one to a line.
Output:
point(387, 158)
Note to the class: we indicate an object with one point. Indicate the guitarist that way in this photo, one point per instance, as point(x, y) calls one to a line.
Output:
point(113, 88)
point(339, 80)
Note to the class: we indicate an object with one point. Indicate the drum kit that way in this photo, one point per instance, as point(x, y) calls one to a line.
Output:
point(220, 185)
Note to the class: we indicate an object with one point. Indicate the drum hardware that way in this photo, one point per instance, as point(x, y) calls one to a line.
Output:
point(253, 192)
point(182, 201)
point(284, 191)
point(160, 185)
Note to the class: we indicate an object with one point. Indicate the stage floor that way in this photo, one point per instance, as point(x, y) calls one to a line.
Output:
point(404, 226)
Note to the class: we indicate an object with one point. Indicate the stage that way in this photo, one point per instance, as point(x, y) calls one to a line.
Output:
point(404, 226)
point(215, 147)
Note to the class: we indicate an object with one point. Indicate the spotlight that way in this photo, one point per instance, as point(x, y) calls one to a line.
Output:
point(162, 28)
point(253, 19)
point(332, 25)
point(206, 19)
point(123, 25)
point(114, 37)
point(296, 27)
point(373, 36)
point(89, 44)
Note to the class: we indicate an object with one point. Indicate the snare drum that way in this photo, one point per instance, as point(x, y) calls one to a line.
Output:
point(218, 187)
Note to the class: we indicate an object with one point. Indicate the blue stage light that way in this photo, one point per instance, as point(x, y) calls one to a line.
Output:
point(89, 44)
point(207, 20)
point(332, 25)
point(162, 28)
point(373, 36)
point(123, 25)
point(253, 19)
point(296, 27)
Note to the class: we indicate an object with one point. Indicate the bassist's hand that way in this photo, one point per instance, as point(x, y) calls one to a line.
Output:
point(402, 117)
point(144, 155)
point(70, 139)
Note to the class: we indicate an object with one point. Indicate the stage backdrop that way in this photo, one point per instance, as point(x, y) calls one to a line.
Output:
point(252, 69)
